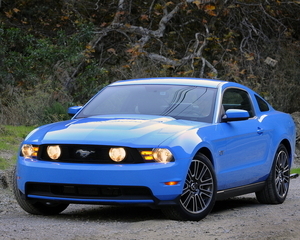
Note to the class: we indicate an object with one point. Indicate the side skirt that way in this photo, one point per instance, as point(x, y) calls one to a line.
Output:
point(233, 192)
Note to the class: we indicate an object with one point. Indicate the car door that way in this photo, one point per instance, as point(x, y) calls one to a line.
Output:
point(245, 145)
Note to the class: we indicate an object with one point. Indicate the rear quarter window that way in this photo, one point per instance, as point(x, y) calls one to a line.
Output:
point(263, 106)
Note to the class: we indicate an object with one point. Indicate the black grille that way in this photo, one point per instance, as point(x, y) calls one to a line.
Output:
point(87, 191)
point(89, 154)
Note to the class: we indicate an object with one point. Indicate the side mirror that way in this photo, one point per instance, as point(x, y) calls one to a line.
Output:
point(235, 115)
point(73, 110)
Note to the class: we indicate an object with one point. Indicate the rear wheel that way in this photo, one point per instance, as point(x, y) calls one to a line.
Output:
point(277, 185)
point(199, 192)
point(35, 207)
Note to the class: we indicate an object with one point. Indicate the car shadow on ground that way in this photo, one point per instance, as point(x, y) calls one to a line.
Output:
point(234, 203)
point(140, 213)
point(112, 213)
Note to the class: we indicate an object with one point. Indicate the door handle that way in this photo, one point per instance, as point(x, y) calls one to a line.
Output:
point(260, 131)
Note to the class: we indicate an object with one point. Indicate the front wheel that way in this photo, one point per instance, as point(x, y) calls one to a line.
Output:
point(35, 207)
point(277, 185)
point(199, 192)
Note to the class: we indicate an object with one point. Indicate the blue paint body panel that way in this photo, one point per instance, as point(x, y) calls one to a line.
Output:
point(241, 152)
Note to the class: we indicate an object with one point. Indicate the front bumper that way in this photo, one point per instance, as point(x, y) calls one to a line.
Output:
point(101, 183)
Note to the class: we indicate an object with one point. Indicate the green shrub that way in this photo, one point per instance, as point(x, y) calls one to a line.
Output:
point(11, 137)
point(40, 77)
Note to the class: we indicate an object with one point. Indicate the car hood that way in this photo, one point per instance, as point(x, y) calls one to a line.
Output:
point(123, 131)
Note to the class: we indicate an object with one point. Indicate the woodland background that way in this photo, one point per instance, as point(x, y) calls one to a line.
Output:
point(55, 54)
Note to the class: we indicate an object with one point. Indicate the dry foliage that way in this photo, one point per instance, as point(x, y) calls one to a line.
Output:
point(83, 45)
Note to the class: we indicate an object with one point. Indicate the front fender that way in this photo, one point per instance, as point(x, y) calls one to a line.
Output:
point(187, 144)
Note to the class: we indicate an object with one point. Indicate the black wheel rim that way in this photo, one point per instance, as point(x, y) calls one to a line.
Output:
point(282, 174)
point(198, 188)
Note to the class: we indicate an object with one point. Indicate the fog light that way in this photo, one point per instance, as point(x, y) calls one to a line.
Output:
point(54, 152)
point(117, 154)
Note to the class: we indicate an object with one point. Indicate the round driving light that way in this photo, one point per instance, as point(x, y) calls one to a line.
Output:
point(54, 152)
point(27, 150)
point(162, 155)
point(117, 154)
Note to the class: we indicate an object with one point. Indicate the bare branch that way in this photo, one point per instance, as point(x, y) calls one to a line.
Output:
point(162, 24)
point(274, 19)
point(117, 14)
point(162, 59)
point(196, 54)
point(150, 8)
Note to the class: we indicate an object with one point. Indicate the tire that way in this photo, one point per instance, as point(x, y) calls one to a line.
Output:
point(199, 192)
point(36, 207)
point(277, 185)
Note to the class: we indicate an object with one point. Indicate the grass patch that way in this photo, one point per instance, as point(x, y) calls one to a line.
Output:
point(11, 137)
point(3, 163)
point(295, 170)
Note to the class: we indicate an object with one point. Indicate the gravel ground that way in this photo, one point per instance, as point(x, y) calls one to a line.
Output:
point(237, 218)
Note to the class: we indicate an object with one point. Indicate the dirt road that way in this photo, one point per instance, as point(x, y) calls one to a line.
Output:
point(237, 218)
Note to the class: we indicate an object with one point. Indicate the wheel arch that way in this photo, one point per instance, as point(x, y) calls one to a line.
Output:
point(288, 147)
point(205, 151)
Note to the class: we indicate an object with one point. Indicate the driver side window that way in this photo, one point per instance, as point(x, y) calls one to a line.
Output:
point(234, 98)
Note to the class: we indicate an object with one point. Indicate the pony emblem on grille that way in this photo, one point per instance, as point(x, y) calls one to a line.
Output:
point(84, 153)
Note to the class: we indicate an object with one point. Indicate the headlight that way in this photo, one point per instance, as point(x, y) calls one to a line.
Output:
point(29, 150)
point(117, 154)
point(54, 152)
point(161, 155)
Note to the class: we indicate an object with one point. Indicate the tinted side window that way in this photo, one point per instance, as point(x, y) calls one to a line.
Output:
point(263, 106)
point(237, 99)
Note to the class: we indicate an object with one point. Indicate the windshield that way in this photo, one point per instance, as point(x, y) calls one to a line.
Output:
point(180, 102)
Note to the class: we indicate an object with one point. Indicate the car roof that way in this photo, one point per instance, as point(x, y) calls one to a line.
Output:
point(174, 81)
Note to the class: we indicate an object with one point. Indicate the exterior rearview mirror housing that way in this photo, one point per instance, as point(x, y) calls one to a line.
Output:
point(73, 110)
point(235, 115)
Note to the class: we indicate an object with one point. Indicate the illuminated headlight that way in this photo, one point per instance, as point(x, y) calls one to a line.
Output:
point(161, 155)
point(117, 154)
point(54, 152)
point(29, 150)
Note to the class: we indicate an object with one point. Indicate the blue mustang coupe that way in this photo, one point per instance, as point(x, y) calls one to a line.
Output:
point(178, 144)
